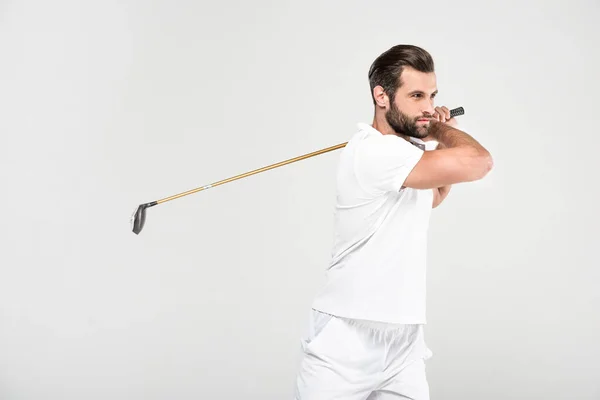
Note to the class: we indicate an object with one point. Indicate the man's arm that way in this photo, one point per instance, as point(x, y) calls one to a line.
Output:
point(439, 194)
point(462, 159)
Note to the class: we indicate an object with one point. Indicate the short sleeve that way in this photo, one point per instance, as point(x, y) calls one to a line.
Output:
point(382, 163)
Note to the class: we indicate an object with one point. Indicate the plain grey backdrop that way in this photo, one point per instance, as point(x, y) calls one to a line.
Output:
point(108, 104)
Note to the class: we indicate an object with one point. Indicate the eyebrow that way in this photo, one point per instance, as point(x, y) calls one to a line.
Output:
point(421, 92)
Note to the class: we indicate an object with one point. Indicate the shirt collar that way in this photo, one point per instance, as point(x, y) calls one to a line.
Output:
point(414, 141)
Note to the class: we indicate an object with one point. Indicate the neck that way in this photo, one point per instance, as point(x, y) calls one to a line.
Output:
point(381, 124)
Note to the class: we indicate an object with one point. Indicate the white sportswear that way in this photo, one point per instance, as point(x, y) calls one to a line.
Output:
point(378, 265)
point(346, 359)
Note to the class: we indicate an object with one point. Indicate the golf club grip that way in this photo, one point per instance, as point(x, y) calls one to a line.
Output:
point(456, 112)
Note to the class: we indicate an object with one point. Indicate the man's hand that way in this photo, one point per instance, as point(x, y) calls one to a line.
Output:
point(442, 114)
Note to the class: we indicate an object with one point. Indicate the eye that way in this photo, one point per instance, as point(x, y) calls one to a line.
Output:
point(417, 95)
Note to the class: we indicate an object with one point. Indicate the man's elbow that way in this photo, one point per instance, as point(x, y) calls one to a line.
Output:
point(481, 164)
point(486, 163)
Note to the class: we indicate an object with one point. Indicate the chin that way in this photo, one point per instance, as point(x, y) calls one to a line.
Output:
point(419, 135)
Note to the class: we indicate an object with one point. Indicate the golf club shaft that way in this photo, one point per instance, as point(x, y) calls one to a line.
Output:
point(256, 171)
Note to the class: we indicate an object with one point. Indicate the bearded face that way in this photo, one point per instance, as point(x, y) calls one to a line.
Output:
point(404, 124)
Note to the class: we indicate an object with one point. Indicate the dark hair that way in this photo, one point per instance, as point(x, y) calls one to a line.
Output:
point(387, 69)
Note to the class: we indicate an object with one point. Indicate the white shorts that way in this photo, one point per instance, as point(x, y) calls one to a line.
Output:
point(352, 360)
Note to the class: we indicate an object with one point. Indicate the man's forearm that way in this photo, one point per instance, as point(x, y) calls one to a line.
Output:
point(444, 190)
point(449, 137)
point(441, 192)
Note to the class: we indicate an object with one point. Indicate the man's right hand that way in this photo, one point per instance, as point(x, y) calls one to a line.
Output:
point(442, 114)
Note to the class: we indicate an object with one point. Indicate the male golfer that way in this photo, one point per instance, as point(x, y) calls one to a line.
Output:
point(365, 337)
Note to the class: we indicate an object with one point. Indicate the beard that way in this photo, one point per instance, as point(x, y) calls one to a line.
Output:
point(403, 124)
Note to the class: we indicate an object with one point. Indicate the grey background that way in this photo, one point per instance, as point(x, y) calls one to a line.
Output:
point(108, 104)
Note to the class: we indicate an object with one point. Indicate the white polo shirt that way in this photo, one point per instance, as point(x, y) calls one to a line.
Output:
point(378, 266)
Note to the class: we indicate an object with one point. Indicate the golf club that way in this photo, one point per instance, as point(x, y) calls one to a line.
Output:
point(138, 218)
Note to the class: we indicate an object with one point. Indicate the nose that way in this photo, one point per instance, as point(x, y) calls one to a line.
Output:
point(428, 109)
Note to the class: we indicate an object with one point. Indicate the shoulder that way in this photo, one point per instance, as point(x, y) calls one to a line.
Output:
point(365, 133)
point(379, 145)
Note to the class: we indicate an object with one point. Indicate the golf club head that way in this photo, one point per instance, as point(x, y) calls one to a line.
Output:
point(138, 218)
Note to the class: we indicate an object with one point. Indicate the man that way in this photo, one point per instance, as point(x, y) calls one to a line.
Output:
point(365, 338)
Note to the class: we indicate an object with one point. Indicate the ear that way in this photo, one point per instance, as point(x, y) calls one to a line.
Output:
point(381, 98)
